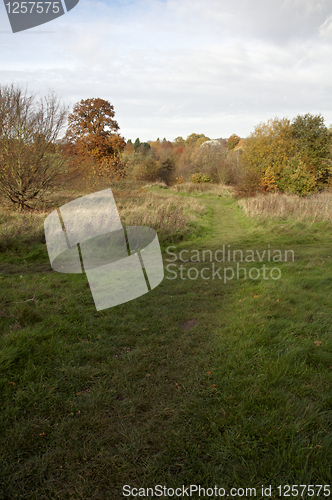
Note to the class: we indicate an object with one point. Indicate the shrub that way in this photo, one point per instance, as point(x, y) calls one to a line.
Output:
point(146, 170)
point(197, 178)
point(247, 181)
point(229, 170)
point(268, 181)
point(296, 179)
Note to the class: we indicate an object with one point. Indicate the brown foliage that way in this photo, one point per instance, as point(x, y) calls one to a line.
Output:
point(93, 139)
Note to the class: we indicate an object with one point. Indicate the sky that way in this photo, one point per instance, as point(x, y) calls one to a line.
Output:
point(174, 67)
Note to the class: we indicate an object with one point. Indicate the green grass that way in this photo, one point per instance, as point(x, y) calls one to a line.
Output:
point(197, 382)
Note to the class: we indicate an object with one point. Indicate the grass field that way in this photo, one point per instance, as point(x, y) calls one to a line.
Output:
point(209, 381)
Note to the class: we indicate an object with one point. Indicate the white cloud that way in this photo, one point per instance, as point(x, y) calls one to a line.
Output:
point(174, 67)
point(325, 30)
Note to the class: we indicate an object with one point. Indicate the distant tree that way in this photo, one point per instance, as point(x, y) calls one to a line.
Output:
point(233, 141)
point(313, 145)
point(192, 138)
point(129, 148)
point(179, 141)
point(154, 145)
point(93, 132)
point(165, 170)
point(30, 163)
point(143, 148)
point(291, 156)
point(201, 141)
point(166, 145)
point(137, 144)
point(271, 145)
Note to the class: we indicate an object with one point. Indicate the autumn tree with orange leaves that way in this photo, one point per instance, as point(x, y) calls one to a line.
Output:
point(93, 139)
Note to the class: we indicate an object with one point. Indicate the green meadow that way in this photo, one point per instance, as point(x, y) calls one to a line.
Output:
point(204, 381)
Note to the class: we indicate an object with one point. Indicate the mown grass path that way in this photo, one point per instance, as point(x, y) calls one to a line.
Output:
point(200, 382)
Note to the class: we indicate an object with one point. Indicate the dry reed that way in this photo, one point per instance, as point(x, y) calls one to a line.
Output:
point(317, 207)
point(202, 187)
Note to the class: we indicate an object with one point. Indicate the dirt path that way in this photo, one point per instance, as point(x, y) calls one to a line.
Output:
point(230, 224)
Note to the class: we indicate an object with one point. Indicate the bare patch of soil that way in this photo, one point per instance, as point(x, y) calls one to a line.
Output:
point(189, 324)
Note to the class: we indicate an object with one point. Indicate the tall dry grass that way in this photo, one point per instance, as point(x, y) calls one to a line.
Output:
point(172, 217)
point(317, 207)
point(202, 187)
point(17, 229)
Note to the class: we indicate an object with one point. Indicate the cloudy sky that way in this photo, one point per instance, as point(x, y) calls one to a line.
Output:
point(173, 67)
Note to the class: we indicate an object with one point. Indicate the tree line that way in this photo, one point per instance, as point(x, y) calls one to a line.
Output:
point(279, 155)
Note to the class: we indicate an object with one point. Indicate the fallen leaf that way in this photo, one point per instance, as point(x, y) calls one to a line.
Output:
point(42, 434)
point(209, 373)
point(213, 385)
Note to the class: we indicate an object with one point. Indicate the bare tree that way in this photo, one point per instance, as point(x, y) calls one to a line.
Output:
point(29, 160)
